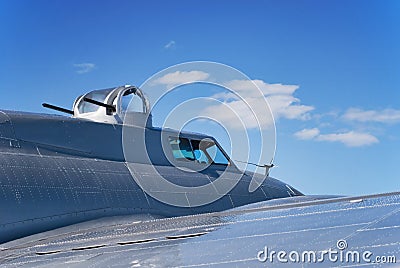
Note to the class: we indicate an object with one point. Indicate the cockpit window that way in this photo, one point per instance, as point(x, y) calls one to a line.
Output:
point(216, 154)
point(201, 151)
point(133, 102)
point(181, 149)
point(97, 95)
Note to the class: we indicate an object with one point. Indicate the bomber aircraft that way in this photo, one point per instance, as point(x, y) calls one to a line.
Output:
point(73, 195)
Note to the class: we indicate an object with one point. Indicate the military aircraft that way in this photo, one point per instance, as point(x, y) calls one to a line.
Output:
point(70, 197)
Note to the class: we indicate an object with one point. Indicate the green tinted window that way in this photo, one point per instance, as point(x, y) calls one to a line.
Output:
point(201, 151)
point(181, 149)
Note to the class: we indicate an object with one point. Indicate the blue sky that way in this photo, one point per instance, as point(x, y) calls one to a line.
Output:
point(343, 57)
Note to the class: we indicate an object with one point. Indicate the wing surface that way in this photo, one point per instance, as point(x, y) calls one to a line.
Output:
point(242, 237)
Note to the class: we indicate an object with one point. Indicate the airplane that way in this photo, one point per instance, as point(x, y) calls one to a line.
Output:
point(70, 197)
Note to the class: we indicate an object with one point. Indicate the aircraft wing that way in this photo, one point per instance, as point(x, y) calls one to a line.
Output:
point(242, 237)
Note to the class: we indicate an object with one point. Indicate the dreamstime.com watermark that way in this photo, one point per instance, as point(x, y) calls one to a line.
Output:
point(338, 255)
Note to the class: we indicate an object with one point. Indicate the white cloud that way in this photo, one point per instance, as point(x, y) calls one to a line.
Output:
point(350, 138)
point(280, 98)
point(256, 114)
point(307, 134)
point(83, 68)
point(243, 87)
point(249, 100)
point(178, 77)
point(170, 44)
point(287, 106)
point(382, 116)
point(238, 114)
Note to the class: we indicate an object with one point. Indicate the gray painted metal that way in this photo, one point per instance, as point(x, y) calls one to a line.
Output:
point(222, 239)
point(56, 171)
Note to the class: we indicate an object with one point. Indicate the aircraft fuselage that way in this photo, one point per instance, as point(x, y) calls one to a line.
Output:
point(56, 171)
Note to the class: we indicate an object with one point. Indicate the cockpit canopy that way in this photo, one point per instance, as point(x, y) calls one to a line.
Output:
point(111, 105)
